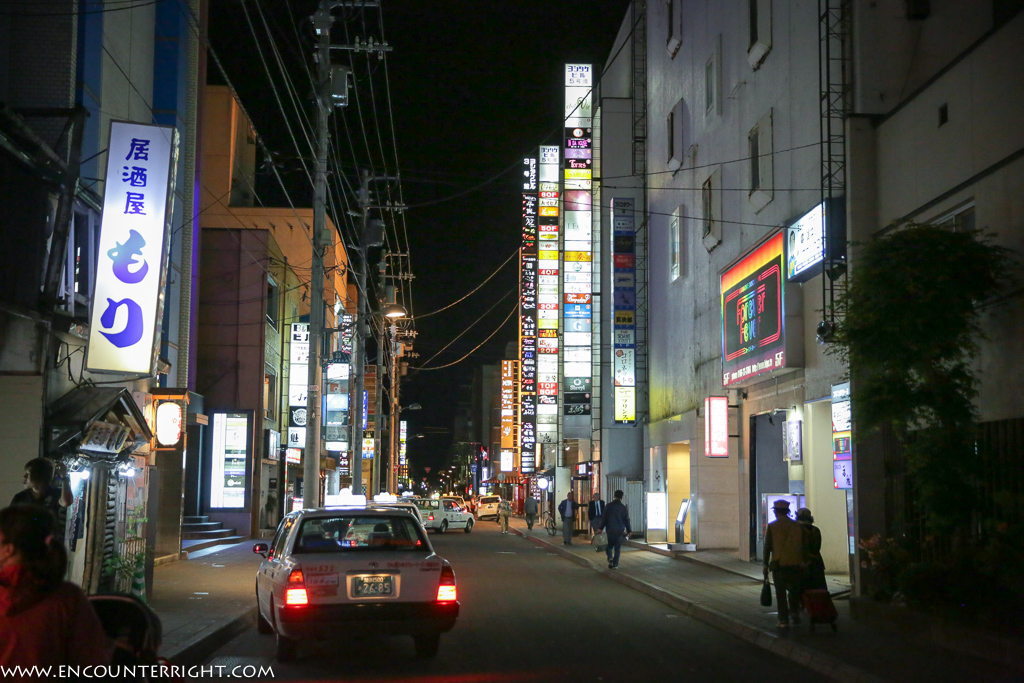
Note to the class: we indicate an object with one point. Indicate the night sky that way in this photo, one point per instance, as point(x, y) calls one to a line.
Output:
point(475, 86)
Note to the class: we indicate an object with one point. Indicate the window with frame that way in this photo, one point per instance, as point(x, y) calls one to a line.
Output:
point(677, 266)
point(670, 132)
point(269, 394)
point(711, 210)
point(273, 303)
point(709, 86)
point(674, 26)
point(674, 124)
point(755, 160)
point(759, 141)
point(760, 31)
point(960, 220)
point(713, 81)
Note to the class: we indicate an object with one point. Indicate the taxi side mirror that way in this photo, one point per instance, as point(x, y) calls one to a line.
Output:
point(262, 549)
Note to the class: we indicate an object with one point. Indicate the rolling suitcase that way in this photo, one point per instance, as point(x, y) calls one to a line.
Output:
point(820, 610)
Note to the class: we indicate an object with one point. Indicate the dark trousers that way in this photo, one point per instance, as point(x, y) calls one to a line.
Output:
point(529, 520)
point(788, 581)
point(614, 548)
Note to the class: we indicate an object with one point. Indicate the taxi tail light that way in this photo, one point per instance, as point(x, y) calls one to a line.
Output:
point(430, 518)
point(295, 593)
point(446, 588)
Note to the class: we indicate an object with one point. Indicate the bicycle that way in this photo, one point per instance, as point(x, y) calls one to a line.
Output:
point(548, 521)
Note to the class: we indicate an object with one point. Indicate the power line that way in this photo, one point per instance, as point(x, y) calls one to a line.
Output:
point(474, 290)
point(497, 329)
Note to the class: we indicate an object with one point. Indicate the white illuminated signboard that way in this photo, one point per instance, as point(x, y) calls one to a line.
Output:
point(229, 457)
point(127, 304)
point(806, 243)
point(716, 427)
point(657, 510)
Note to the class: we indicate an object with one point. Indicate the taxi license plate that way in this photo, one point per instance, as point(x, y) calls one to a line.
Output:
point(372, 586)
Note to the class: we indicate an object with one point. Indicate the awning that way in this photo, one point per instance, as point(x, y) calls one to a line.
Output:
point(73, 415)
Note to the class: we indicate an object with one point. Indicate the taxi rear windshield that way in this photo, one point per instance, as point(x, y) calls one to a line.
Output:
point(489, 500)
point(353, 533)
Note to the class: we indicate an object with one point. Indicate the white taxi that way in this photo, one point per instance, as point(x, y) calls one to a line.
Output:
point(366, 568)
point(487, 506)
point(444, 514)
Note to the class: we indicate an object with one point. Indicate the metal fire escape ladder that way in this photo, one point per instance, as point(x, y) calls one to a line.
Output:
point(834, 79)
point(639, 45)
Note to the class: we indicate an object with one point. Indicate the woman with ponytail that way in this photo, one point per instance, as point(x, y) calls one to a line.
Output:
point(44, 620)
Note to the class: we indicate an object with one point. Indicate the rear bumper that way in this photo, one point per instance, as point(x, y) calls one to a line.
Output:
point(409, 618)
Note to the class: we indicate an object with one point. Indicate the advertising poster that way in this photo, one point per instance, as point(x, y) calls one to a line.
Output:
point(228, 461)
point(753, 314)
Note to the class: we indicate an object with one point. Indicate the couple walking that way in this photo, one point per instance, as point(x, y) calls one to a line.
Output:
point(792, 551)
point(612, 518)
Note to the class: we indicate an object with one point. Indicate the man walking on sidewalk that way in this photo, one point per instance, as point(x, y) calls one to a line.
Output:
point(504, 510)
point(567, 510)
point(616, 525)
point(784, 555)
point(530, 510)
point(595, 513)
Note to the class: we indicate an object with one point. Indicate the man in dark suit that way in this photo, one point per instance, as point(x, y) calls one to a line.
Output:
point(616, 524)
point(595, 513)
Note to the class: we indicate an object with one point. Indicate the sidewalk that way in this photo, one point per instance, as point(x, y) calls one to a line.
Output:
point(724, 592)
point(205, 601)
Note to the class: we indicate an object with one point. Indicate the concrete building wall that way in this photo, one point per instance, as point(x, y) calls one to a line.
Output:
point(722, 91)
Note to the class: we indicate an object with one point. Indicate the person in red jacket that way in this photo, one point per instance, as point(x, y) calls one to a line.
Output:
point(44, 620)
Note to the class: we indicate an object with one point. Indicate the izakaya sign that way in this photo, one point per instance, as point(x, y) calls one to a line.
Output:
point(753, 314)
point(124, 323)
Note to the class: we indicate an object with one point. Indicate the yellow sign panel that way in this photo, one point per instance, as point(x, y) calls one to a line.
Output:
point(549, 211)
point(625, 404)
point(578, 174)
point(623, 317)
point(551, 324)
point(577, 256)
point(547, 254)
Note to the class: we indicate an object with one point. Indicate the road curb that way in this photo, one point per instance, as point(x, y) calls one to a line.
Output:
point(198, 649)
point(827, 665)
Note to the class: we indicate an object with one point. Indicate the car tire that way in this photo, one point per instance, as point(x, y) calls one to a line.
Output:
point(469, 525)
point(287, 649)
point(427, 645)
point(443, 528)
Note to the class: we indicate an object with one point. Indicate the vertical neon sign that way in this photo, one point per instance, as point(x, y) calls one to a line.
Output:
point(577, 250)
point(528, 321)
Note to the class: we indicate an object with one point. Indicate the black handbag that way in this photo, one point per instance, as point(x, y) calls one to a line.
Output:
point(766, 594)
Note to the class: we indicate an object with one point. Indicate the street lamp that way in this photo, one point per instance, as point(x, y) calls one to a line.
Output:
point(394, 311)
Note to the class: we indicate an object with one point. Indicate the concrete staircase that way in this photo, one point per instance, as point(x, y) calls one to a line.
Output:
point(198, 533)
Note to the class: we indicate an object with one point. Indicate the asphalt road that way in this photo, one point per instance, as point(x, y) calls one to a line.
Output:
point(529, 615)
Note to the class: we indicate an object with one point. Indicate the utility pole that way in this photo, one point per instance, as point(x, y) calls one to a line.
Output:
point(332, 90)
point(378, 444)
point(396, 411)
point(355, 406)
point(322, 239)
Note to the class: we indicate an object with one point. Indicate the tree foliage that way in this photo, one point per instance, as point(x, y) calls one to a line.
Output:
point(909, 331)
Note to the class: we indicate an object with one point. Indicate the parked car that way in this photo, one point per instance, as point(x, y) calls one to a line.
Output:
point(441, 514)
point(488, 507)
point(368, 569)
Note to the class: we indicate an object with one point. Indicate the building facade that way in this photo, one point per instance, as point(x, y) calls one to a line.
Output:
point(66, 74)
point(253, 337)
